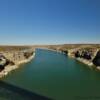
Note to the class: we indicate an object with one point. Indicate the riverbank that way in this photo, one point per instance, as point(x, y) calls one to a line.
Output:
point(10, 68)
point(48, 68)
point(86, 60)
point(86, 54)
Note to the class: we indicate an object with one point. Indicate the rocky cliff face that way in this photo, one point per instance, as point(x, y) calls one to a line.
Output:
point(83, 54)
point(4, 62)
point(77, 54)
point(88, 55)
point(96, 60)
point(64, 51)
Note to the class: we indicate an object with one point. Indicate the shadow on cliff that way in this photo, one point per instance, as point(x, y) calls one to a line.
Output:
point(11, 92)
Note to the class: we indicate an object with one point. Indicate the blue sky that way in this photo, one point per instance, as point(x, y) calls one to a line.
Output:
point(49, 21)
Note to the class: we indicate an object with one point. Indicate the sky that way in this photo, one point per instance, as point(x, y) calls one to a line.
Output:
point(24, 22)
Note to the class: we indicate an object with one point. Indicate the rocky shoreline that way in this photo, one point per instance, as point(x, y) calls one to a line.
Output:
point(11, 57)
point(10, 68)
point(88, 54)
point(89, 61)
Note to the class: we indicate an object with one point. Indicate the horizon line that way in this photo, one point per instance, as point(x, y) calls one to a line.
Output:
point(49, 44)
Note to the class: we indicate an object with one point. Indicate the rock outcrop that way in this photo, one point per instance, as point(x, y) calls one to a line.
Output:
point(4, 62)
point(83, 54)
point(28, 54)
point(96, 60)
point(65, 51)
point(77, 54)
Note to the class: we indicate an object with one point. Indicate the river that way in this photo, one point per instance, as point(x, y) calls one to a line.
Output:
point(56, 76)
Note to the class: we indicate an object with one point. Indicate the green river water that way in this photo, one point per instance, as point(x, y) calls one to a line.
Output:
point(56, 76)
